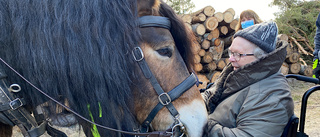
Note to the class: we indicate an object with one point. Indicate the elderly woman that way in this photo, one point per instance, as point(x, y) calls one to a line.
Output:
point(251, 97)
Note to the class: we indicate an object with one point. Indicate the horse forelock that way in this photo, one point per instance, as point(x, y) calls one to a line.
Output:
point(77, 49)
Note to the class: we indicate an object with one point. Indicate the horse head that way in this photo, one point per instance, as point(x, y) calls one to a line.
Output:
point(167, 52)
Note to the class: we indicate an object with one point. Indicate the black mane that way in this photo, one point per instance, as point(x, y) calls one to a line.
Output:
point(78, 49)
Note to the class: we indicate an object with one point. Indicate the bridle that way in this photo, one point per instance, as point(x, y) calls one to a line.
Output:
point(165, 99)
point(14, 104)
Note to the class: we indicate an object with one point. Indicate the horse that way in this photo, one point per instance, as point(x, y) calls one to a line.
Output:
point(86, 54)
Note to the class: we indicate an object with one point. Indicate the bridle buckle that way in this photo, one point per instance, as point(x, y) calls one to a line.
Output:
point(137, 54)
point(15, 104)
point(164, 99)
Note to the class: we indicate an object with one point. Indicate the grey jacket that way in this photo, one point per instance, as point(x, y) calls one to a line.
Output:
point(252, 101)
point(317, 39)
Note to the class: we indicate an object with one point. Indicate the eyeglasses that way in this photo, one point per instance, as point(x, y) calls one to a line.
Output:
point(237, 56)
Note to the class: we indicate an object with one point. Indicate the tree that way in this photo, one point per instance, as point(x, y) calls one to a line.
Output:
point(181, 6)
point(297, 19)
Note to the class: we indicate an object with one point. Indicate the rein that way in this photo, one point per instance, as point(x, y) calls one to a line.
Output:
point(165, 99)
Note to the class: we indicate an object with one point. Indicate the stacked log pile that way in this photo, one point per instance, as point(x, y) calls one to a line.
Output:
point(214, 32)
point(294, 64)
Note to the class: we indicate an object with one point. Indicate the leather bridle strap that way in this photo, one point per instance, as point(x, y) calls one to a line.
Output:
point(163, 97)
point(174, 94)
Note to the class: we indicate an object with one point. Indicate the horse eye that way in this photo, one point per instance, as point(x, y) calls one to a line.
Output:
point(165, 52)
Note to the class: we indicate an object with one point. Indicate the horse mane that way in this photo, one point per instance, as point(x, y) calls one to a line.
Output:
point(79, 50)
point(183, 37)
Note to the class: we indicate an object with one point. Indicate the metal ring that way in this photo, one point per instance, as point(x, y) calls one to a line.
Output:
point(15, 88)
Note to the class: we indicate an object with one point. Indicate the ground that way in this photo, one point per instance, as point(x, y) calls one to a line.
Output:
point(312, 123)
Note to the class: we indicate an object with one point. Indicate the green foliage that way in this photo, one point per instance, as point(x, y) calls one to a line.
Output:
point(297, 19)
point(181, 6)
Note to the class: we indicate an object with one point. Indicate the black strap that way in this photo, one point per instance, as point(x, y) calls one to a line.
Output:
point(12, 105)
point(174, 94)
point(154, 21)
point(54, 132)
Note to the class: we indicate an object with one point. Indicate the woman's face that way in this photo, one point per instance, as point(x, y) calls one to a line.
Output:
point(246, 19)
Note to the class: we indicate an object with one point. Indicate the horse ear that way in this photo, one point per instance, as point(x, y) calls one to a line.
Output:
point(148, 7)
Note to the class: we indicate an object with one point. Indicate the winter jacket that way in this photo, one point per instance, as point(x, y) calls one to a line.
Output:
point(251, 101)
point(317, 38)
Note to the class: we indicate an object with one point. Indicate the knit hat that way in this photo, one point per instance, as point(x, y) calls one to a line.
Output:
point(264, 35)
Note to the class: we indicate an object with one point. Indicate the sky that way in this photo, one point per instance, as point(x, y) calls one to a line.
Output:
point(261, 7)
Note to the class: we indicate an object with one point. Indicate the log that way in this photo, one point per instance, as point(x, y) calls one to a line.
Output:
point(233, 24)
point(198, 29)
point(204, 80)
point(211, 23)
point(197, 58)
point(208, 11)
point(293, 58)
point(228, 17)
point(187, 18)
point(207, 36)
point(199, 18)
point(231, 10)
point(219, 16)
point(284, 68)
point(198, 67)
point(220, 64)
point(199, 39)
point(215, 33)
point(213, 76)
point(217, 51)
point(226, 60)
point(223, 30)
point(306, 70)
point(207, 58)
point(205, 44)
point(215, 42)
point(209, 67)
point(202, 52)
point(294, 68)
point(289, 49)
point(195, 48)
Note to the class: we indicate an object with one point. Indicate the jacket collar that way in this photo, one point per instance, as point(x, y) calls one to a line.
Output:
point(253, 72)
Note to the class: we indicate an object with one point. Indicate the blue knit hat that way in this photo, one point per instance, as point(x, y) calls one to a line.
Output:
point(264, 35)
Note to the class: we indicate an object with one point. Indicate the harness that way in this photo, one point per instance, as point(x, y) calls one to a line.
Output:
point(13, 113)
